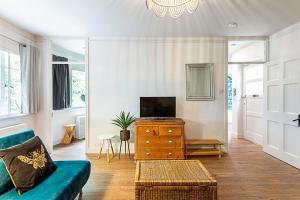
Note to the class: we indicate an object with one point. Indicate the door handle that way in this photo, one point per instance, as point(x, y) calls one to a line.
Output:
point(297, 120)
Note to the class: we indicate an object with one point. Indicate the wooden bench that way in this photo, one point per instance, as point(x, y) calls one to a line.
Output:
point(203, 148)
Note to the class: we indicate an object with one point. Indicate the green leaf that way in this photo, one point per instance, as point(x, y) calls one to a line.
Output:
point(123, 120)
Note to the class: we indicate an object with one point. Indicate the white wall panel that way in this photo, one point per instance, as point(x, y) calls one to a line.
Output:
point(285, 43)
point(273, 72)
point(292, 69)
point(255, 106)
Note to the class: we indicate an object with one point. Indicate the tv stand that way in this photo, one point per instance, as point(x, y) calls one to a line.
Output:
point(161, 138)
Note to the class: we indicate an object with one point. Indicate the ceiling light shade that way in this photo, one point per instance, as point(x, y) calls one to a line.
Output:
point(175, 7)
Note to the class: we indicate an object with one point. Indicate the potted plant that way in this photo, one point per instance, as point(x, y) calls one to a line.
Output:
point(124, 121)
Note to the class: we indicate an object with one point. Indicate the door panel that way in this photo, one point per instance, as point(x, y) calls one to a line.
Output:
point(253, 103)
point(281, 107)
point(291, 140)
point(273, 91)
point(292, 98)
point(274, 134)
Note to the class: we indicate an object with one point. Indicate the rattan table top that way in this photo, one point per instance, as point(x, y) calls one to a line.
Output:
point(172, 172)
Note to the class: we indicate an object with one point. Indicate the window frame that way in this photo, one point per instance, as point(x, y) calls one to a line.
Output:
point(267, 54)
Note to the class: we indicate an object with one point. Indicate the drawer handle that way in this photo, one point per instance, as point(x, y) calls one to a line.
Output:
point(147, 131)
point(170, 153)
point(147, 142)
point(170, 141)
point(170, 131)
point(148, 154)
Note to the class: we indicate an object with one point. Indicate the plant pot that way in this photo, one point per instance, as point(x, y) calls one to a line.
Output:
point(124, 135)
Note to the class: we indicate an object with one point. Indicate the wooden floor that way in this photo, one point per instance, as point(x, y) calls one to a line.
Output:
point(246, 173)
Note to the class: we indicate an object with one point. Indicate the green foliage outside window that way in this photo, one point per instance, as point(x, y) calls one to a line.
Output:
point(78, 88)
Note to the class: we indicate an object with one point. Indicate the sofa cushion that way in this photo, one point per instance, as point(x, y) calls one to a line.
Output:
point(6, 142)
point(64, 183)
point(28, 164)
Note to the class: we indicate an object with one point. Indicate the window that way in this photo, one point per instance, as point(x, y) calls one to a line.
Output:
point(10, 83)
point(78, 88)
point(253, 79)
point(247, 51)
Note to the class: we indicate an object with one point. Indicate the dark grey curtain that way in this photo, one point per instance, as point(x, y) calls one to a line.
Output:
point(61, 84)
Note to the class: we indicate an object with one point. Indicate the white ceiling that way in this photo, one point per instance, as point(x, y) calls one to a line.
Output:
point(130, 18)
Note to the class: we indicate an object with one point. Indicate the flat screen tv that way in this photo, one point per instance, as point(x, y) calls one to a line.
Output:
point(158, 107)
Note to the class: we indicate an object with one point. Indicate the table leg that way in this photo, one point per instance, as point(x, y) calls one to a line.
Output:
point(120, 149)
point(128, 148)
point(107, 150)
point(80, 195)
point(185, 151)
point(112, 149)
point(125, 147)
point(101, 149)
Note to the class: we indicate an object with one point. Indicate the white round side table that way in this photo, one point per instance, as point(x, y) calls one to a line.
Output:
point(106, 138)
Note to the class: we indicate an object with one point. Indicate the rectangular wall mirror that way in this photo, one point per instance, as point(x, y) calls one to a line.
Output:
point(200, 82)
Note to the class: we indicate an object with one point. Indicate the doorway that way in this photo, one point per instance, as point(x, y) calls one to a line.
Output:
point(246, 60)
point(68, 65)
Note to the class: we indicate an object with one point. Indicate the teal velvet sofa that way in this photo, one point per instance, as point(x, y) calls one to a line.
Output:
point(65, 183)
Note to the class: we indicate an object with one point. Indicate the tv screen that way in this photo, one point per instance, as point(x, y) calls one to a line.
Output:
point(160, 107)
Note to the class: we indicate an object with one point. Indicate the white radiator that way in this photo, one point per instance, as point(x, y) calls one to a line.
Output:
point(12, 129)
point(80, 127)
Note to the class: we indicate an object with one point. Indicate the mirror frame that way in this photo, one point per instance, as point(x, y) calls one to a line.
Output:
point(210, 66)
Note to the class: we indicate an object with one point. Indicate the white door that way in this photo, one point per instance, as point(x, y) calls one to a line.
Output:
point(253, 103)
point(281, 107)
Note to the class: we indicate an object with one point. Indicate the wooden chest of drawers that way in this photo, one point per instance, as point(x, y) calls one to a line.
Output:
point(159, 139)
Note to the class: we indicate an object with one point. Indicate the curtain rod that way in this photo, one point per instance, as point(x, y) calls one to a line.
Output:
point(24, 45)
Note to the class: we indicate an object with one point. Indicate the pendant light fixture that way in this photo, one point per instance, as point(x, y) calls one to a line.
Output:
point(175, 7)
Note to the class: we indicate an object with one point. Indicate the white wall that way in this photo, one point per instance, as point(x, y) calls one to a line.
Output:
point(122, 70)
point(62, 117)
point(12, 125)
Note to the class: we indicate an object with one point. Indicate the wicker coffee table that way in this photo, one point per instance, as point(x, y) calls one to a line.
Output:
point(174, 180)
